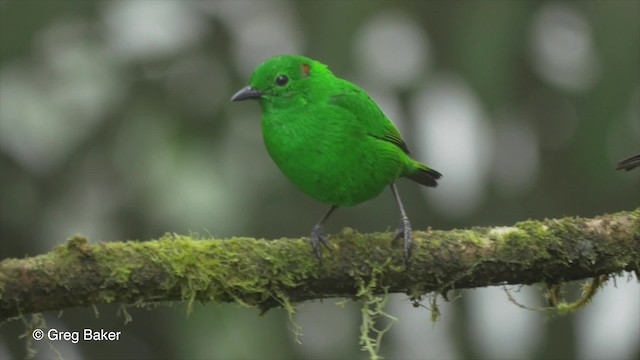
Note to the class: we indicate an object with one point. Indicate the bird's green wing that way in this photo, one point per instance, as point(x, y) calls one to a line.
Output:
point(376, 123)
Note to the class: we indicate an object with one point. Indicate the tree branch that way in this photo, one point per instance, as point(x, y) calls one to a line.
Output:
point(268, 273)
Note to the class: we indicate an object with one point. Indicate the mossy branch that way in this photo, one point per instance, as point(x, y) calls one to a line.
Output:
point(270, 273)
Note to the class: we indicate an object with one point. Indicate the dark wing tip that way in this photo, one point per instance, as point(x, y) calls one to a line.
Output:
point(434, 174)
point(426, 177)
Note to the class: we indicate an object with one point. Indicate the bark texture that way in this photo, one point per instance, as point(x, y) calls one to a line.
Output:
point(270, 273)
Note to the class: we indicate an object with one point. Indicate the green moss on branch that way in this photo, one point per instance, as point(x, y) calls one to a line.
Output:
point(268, 273)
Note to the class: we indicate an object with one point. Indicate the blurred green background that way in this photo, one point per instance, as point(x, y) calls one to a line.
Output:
point(115, 122)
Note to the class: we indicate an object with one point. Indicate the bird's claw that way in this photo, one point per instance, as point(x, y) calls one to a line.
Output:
point(317, 237)
point(405, 232)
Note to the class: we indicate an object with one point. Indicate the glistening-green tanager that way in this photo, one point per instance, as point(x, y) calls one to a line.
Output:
point(330, 138)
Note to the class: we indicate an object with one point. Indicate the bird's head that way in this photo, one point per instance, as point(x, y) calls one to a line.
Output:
point(282, 80)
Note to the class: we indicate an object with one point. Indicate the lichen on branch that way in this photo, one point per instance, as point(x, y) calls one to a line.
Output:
point(269, 273)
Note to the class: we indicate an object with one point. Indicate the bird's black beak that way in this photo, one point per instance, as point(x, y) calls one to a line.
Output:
point(245, 93)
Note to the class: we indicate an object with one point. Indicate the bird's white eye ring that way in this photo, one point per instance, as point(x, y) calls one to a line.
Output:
point(282, 80)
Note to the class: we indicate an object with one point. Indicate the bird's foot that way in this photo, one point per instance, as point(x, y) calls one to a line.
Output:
point(405, 232)
point(317, 237)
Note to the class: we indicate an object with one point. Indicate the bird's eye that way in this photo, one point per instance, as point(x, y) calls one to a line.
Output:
point(282, 80)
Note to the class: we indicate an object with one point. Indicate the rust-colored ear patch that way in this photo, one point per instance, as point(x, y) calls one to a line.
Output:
point(305, 70)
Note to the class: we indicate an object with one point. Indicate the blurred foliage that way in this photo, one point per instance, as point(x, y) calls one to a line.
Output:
point(115, 123)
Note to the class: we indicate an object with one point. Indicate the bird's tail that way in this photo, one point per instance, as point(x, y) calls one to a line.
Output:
point(630, 163)
point(423, 175)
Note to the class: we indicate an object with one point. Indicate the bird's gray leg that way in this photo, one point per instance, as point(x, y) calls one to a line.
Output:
point(405, 225)
point(317, 234)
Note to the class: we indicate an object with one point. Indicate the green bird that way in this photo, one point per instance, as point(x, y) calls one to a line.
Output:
point(330, 139)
